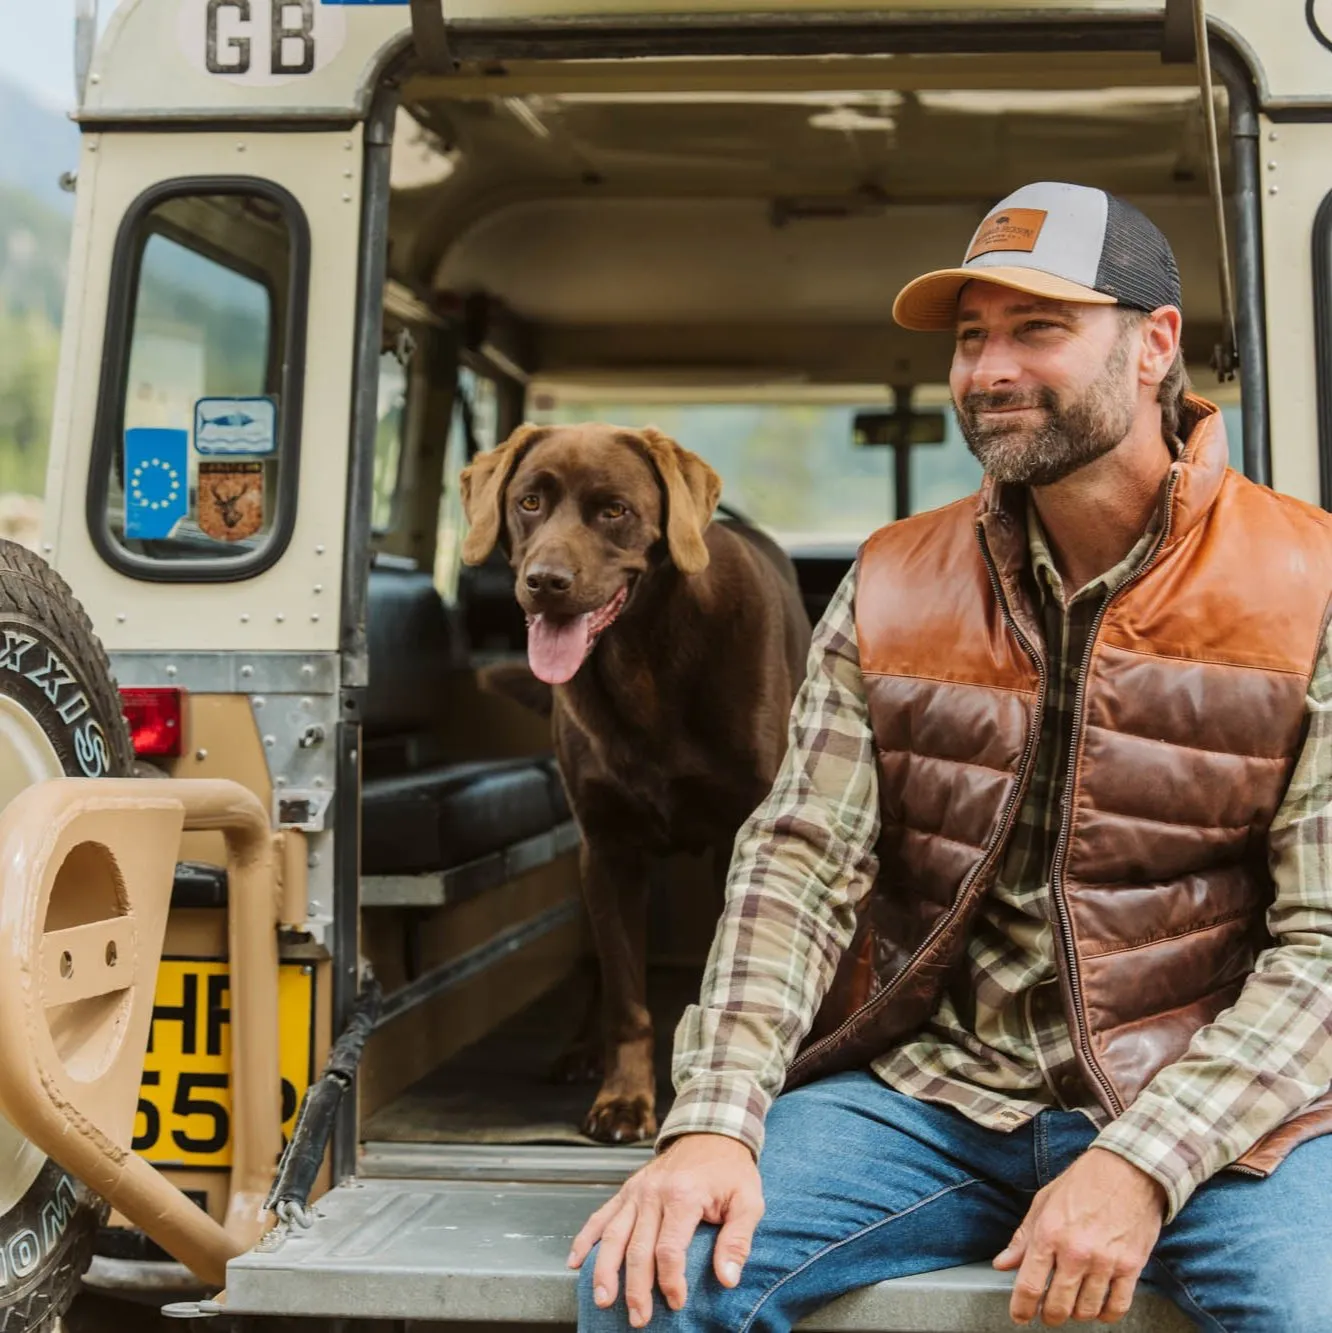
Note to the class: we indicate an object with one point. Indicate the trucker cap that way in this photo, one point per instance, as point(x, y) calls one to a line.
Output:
point(1067, 242)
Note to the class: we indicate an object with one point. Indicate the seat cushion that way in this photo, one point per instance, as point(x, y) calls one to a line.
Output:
point(444, 816)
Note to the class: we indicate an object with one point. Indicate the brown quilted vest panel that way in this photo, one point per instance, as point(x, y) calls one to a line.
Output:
point(1192, 717)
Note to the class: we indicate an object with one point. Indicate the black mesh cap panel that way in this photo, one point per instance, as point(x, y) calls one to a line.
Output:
point(1137, 264)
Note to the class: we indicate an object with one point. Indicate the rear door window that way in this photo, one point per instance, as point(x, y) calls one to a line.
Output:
point(194, 475)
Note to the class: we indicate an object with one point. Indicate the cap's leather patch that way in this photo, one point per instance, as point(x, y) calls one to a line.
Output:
point(1009, 229)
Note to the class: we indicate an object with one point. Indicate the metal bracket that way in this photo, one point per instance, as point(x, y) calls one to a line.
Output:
point(302, 808)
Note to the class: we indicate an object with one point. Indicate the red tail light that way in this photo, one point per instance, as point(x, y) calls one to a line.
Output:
point(155, 718)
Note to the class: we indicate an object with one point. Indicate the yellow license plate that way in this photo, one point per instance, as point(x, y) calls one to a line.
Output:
point(184, 1117)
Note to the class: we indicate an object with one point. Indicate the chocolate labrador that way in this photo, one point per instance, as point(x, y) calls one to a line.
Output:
point(674, 647)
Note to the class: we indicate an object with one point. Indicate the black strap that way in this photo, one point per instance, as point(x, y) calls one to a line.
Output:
point(1177, 42)
point(431, 36)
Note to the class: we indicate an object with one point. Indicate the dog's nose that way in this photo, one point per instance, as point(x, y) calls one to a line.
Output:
point(549, 579)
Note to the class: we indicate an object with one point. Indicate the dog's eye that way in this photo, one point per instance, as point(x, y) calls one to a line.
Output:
point(616, 510)
point(529, 504)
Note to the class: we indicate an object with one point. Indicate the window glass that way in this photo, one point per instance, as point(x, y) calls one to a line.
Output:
point(194, 459)
point(795, 469)
point(389, 441)
point(480, 394)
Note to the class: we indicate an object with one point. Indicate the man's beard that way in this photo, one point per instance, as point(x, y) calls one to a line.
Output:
point(1067, 437)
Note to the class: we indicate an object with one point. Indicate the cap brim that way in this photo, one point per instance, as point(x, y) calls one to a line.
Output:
point(930, 301)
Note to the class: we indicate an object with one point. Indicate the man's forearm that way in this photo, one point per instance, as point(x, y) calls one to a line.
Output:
point(802, 862)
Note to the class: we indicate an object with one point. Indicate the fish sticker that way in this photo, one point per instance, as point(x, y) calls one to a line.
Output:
point(231, 500)
point(231, 427)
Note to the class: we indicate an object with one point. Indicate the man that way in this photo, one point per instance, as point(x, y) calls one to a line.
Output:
point(1043, 886)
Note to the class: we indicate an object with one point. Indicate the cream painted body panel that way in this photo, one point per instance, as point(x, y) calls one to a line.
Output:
point(150, 61)
point(294, 605)
point(1296, 177)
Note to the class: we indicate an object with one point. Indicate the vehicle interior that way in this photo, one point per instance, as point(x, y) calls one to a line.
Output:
point(713, 249)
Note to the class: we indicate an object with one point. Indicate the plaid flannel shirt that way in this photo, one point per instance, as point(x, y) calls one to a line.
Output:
point(998, 1048)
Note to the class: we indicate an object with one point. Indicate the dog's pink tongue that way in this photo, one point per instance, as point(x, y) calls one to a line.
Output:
point(555, 649)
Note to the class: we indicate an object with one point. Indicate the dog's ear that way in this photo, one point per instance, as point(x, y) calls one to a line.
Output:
point(692, 492)
point(483, 483)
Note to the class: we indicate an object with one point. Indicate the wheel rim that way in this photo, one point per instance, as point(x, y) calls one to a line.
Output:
point(26, 756)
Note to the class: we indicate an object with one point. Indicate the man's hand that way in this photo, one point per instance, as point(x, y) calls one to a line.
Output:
point(650, 1222)
point(1095, 1227)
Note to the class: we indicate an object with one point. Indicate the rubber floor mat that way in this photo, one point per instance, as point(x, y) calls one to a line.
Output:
point(499, 1089)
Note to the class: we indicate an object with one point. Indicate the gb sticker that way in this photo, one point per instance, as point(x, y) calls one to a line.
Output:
point(260, 42)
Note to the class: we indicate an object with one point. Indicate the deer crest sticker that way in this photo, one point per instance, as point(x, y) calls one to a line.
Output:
point(231, 500)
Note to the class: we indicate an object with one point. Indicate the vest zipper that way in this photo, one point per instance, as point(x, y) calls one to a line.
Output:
point(996, 841)
point(1066, 820)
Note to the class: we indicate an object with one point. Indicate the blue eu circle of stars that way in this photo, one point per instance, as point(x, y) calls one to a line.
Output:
point(155, 484)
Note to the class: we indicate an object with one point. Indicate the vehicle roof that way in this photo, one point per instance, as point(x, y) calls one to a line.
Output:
point(150, 63)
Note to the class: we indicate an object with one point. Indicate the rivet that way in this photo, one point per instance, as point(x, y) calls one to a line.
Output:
point(317, 782)
point(201, 755)
point(245, 617)
point(307, 703)
point(171, 669)
point(120, 617)
point(312, 860)
point(257, 701)
point(240, 147)
point(280, 617)
point(1271, 166)
point(319, 550)
point(94, 78)
point(1271, 189)
point(346, 198)
point(307, 670)
point(347, 144)
point(270, 741)
point(319, 587)
point(314, 615)
point(48, 548)
point(348, 173)
point(247, 672)
point(1272, 136)
point(92, 147)
point(279, 781)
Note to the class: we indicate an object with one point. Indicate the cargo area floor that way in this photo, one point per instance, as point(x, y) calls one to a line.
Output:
point(500, 1090)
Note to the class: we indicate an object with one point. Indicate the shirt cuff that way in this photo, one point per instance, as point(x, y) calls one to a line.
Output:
point(1138, 1137)
point(729, 1104)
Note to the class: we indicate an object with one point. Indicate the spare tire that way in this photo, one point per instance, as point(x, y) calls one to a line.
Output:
point(60, 715)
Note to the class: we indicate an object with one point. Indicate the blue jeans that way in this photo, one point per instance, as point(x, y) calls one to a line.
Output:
point(862, 1183)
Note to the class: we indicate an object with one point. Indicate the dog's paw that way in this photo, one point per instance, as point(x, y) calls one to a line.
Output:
point(615, 1119)
point(583, 1062)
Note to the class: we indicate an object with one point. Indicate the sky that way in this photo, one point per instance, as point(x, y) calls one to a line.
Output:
point(37, 47)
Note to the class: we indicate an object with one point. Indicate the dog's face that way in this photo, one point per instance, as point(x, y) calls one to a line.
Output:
point(584, 509)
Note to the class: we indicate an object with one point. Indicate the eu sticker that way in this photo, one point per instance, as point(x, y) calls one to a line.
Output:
point(235, 427)
point(156, 480)
point(231, 500)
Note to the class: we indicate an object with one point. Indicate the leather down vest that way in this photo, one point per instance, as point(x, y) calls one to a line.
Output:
point(1189, 719)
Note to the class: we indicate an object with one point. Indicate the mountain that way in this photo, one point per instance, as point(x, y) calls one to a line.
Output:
point(34, 255)
point(37, 145)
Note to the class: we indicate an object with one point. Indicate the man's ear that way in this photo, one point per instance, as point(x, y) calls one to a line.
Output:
point(483, 483)
point(692, 492)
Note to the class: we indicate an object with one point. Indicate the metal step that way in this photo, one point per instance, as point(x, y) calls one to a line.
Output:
point(457, 1250)
point(526, 1163)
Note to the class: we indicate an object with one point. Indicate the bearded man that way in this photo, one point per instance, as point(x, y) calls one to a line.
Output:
point(1034, 931)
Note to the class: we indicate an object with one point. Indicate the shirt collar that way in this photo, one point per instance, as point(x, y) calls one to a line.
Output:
point(1048, 580)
